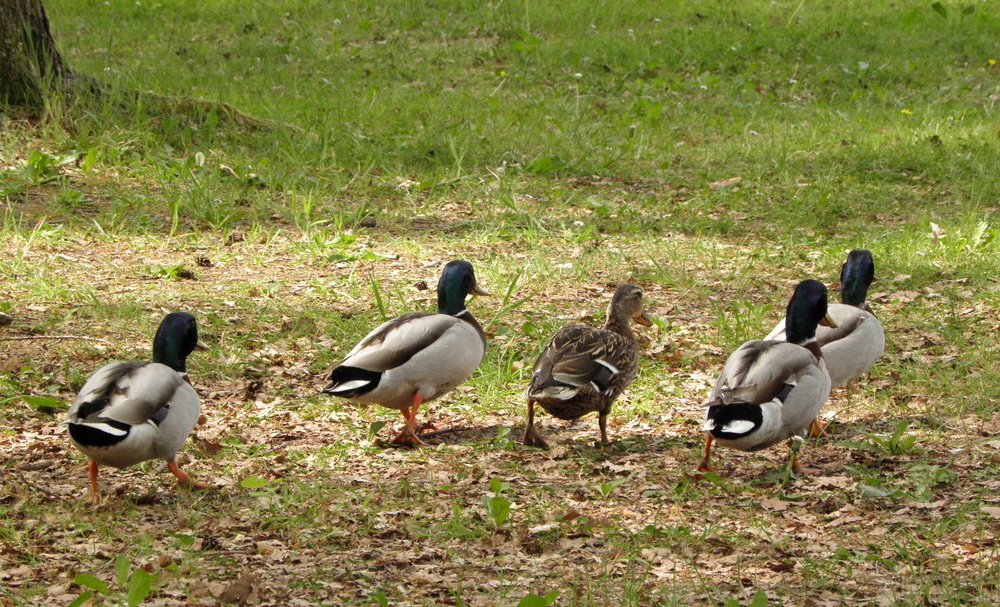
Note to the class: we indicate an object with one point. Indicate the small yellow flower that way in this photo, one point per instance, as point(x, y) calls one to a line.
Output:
point(905, 112)
point(992, 62)
point(503, 73)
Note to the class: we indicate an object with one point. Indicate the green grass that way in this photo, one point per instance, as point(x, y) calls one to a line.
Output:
point(563, 148)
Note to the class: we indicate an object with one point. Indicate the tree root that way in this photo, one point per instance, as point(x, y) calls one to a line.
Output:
point(193, 108)
point(226, 113)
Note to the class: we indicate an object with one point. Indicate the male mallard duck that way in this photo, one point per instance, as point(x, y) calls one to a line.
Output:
point(584, 369)
point(416, 357)
point(771, 390)
point(858, 341)
point(130, 412)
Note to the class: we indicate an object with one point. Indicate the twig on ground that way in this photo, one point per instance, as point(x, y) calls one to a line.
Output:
point(31, 337)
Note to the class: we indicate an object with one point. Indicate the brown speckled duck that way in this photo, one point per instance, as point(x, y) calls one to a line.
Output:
point(583, 369)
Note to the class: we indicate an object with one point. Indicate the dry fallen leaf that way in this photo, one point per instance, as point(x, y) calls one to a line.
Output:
point(830, 482)
point(774, 504)
point(936, 233)
point(725, 183)
point(239, 590)
point(991, 511)
point(210, 447)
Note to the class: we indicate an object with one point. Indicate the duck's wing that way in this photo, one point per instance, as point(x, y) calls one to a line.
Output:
point(854, 346)
point(390, 346)
point(128, 392)
point(398, 340)
point(761, 371)
point(850, 321)
point(579, 357)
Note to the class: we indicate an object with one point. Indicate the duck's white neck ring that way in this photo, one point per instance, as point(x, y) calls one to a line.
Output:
point(813, 346)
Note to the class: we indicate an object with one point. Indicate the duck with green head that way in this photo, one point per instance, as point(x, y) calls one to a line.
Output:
point(131, 412)
point(417, 357)
point(771, 390)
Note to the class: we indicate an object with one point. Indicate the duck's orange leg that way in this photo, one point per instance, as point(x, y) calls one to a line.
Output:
point(816, 430)
point(95, 493)
point(705, 465)
point(794, 444)
point(409, 434)
point(183, 480)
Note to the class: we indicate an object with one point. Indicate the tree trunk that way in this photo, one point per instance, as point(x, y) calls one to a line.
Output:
point(32, 68)
point(30, 64)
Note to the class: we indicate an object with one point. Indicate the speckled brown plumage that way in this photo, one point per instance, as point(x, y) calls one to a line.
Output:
point(584, 369)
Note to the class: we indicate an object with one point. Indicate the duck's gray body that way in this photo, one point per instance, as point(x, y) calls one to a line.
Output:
point(425, 354)
point(768, 391)
point(416, 357)
point(851, 348)
point(858, 340)
point(130, 412)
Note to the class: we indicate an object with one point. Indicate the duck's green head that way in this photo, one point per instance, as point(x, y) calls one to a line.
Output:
point(175, 339)
point(856, 276)
point(806, 311)
point(457, 280)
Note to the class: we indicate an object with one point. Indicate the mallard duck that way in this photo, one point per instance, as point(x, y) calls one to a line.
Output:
point(858, 341)
point(771, 390)
point(130, 412)
point(584, 369)
point(417, 357)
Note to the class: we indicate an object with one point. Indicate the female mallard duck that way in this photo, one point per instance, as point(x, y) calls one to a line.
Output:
point(771, 390)
point(416, 357)
point(858, 341)
point(130, 412)
point(584, 369)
